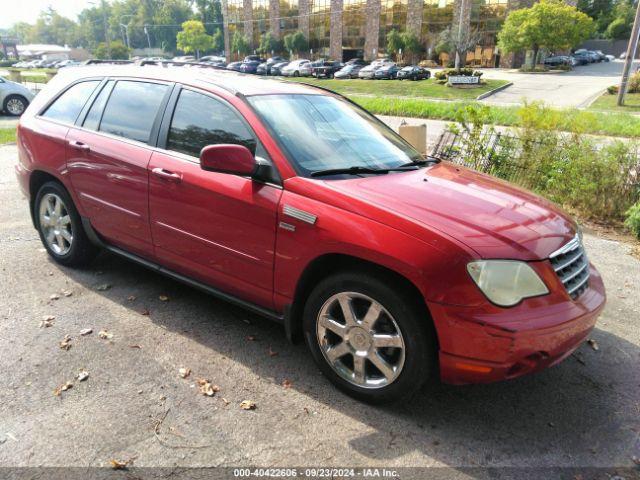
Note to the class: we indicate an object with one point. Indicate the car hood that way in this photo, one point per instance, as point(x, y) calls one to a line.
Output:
point(490, 216)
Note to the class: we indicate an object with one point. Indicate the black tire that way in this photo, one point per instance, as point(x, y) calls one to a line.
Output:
point(15, 98)
point(81, 250)
point(296, 73)
point(414, 324)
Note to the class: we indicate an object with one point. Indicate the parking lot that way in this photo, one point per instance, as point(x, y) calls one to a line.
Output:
point(135, 406)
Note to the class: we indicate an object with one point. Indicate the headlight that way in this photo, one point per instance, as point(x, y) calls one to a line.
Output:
point(506, 282)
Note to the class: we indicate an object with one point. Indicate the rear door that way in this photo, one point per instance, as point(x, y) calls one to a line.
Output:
point(109, 150)
point(216, 227)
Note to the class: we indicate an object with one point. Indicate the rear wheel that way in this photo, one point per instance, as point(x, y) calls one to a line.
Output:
point(371, 341)
point(60, 227)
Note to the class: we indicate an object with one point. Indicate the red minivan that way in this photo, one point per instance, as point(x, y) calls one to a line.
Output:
point(302, 207)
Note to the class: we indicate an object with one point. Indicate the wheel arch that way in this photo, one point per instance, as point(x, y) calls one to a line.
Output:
point(37, 179)
point(331, 263)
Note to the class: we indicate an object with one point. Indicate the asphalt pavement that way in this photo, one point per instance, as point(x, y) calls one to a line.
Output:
point(135, 406)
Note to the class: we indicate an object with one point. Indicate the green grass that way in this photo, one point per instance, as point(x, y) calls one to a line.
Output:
point(403, 88)
point(608, 103)
point(7, 135)
point(569, 120)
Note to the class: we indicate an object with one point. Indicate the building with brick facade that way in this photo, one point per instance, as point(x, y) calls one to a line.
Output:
point(343, 29)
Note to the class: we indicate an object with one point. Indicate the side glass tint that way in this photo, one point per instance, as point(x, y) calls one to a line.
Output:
point(92, 120)
point(67, 106)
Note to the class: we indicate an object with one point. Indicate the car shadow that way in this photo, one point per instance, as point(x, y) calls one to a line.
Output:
point(579, 413)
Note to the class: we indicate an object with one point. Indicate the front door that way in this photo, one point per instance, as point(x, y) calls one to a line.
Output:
point(218, 228)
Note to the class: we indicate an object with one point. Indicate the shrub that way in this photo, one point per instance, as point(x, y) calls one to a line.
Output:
point(633, 219)
point(613, 90)
point(634, 83)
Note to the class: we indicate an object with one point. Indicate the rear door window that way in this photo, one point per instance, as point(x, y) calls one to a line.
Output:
point(132, 109)
point(67, 106)
point(92, 121)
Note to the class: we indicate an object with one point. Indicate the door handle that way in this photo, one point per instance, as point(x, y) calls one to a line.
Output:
point(167, 175)
point(79, 145)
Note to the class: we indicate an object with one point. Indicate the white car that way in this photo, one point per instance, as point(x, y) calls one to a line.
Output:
point(14, 97)
point(297, 68)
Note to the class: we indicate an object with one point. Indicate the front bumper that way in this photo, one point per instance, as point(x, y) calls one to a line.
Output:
point(477, 345)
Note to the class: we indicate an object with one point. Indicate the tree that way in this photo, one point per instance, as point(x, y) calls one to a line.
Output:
point(550, 24)
point(394, 42)
point(296, 42)
point(240, 44)
point(269, 44)
point(119, 51)
point(622, 20)
point(412, 45)
point(218, 41)
point(194, 38)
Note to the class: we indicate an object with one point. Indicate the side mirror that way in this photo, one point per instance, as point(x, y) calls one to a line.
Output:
point(228, 158)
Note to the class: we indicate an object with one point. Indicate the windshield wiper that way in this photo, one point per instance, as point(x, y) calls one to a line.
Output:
point(420, 163)
point(355, 170)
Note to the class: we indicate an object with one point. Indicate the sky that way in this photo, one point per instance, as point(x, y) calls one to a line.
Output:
point(12, 11)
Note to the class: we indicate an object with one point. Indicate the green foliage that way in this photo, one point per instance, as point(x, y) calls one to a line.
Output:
point(618, 29)
point(613, 89)
point(411, 43)
point(632, 220)
point(633, 85)
point(7, 135)
point(119, 51)
point(193, 38)
point(240, 44)
point(296, 42)
point(550, 24)
point(394, 42)
point(269, 44)
point(218, 40)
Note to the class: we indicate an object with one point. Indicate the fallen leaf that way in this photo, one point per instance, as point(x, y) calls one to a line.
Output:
point(593, 344)
point(135, 346)
point(131, 298)
point(54, 296)
point(206, 388)
point(163, 298)
point(226, 402)
point(144, 312)
point(251, 338)
point(103, 287)
point(184, 372)
point(86, 331)
point(103, 334)
point(248, 405)
point(119, 465)
point(67, 293)
point(306, 410)
point(62, 388)
point(47, 321)
point(286, 383)
point(65, 344)
point(82, 375)
point(551, 424)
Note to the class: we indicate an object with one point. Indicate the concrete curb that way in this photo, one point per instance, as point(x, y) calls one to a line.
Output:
point(484, 95)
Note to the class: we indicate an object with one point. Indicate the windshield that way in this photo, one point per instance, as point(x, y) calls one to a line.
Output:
point(320, 132)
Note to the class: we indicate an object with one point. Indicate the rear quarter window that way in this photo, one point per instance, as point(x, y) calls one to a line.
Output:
point(67, 106)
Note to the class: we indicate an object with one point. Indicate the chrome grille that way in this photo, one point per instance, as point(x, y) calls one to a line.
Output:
point(572, 267)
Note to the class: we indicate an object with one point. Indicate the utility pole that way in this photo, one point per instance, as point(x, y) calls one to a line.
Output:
point(631, 54)
point(107, 37)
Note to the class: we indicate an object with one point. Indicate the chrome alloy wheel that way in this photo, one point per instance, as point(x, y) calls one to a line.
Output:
point(55, 223)
point(15, 106)
point(360, 340)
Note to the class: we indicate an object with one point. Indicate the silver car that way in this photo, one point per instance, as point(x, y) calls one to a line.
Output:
point(14, 97)
point(297, 68)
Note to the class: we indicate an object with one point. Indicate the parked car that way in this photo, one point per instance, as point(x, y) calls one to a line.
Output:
point(368, 72)
point(388, 71)
point(357, 61)
point(413, 72)
point(350, 70)
point(296, 68)
point(581, 58)
point(326, 69)
point(235, 66)
point(603, 57)
point(67, 63)
point(214, 60)
point(14, 97)
point(184, 58)
point(302, 207)
point(249, 66)
point(276, 68)
point(265, 67)
point(557, 60)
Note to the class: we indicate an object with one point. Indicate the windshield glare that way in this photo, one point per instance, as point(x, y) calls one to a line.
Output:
point(320, 132)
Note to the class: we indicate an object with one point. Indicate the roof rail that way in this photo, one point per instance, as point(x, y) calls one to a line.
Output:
point(167, 63)
point(95, 61)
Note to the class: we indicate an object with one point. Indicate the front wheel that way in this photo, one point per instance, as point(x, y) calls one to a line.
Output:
point(372, 341)
point(15, 105)
point(60, 227)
